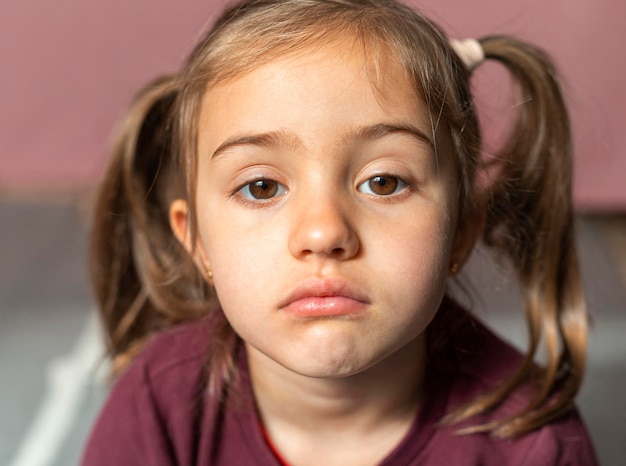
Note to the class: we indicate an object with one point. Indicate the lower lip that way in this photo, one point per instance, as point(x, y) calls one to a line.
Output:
point(330, 306)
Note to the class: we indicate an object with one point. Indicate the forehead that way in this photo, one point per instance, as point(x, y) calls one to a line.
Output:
point(239, 56)
point(348, 82)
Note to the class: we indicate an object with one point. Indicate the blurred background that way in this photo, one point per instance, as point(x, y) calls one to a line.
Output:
point(68, 71)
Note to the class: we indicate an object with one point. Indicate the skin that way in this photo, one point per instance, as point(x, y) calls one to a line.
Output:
point(329, 274)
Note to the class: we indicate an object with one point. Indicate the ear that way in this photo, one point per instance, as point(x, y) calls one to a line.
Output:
point(179, 222)
point(470, 227)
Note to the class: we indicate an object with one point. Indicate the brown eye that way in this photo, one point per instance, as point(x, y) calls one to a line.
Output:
point(262, 189)
point(382, 185)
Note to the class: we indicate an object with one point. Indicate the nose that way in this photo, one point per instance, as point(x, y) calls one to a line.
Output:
point(322, 227)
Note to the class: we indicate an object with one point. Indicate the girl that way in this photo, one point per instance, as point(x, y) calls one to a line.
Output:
point(275, 233)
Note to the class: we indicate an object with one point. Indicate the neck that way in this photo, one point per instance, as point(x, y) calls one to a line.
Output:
point(301, 413)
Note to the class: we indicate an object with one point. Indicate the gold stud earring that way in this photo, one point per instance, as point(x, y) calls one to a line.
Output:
point(454, 268)
point(209, 274)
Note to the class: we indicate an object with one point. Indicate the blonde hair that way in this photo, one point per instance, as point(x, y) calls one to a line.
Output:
point(145, 281)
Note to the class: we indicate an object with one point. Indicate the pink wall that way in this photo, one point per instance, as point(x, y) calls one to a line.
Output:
point(69, 68)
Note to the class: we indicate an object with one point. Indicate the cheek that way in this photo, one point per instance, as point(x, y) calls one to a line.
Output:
point(428, 266)
point(422, 244)
point(417, 261)
point(239, 258)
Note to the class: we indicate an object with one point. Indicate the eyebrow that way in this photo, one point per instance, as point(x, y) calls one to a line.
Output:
point(279, 139)
point(268, 140)
point(380, 130)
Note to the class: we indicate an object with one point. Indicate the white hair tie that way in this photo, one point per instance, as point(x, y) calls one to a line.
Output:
point(469, 51)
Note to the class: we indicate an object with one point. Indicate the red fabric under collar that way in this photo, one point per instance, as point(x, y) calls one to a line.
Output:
point(271, 446)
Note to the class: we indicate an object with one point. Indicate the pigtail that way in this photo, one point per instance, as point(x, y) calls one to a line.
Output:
point(143, 278)
point(530, 219)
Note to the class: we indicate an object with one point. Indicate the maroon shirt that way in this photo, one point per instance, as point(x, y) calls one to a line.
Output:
point(158, 414)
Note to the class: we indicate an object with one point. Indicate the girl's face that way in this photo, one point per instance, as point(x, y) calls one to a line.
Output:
point(325, 213)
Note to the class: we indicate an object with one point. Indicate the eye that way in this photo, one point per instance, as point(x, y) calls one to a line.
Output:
point(262, 189)
point(382, 185)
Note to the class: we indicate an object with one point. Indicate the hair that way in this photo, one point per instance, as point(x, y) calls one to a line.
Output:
point(146, 281)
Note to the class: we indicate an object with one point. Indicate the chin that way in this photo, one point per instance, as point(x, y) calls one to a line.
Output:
point(329, 370)
point(334, 364)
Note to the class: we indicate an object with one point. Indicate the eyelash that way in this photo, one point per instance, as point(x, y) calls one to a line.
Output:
point(402, 185)
point(249, 198)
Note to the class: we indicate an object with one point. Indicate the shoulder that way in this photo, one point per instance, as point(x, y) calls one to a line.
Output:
point(170, 367)
point(468, 357)
point(559, 443)
point(175, 349)
point(482, 362)
point(564, 441)
point(151, 409)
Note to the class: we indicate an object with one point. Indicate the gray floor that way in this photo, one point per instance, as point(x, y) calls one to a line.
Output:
point(51, 384)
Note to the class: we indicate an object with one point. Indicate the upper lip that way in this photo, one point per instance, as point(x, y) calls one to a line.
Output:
point(324, 288)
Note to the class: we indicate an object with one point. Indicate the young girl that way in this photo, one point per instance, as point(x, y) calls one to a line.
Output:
point(274, 238)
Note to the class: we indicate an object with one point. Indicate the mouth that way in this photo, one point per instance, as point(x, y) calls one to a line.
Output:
point(316, 298)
